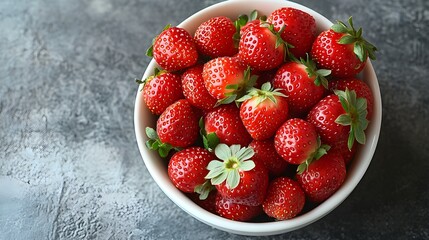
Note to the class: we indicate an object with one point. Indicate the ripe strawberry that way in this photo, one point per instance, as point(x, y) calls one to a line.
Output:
point(285, 199)
point(323, 177)
point(236, 177)
point(266, 154)
point(215, 37)
point(173, 49)
point(194, 89)
point(302, 83)
point(208, 204)
point(227, 78)
point(249, 25)
point(225, 122)
point(161, 90)
point(261, 47)
point(342, 49)
point(187, 168)
point(340, 117)
point(300, 29)
point(235, 211)
point(263, 111)
point(360, 87)
point(298, 143)
point(176, 127)
point(342, 149)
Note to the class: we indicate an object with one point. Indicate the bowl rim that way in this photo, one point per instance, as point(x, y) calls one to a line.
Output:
point(265, 228)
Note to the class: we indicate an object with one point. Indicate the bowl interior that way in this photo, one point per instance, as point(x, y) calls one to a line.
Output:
point(157, 166)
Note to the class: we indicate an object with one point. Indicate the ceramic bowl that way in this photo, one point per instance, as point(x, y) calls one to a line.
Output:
point(157, 166)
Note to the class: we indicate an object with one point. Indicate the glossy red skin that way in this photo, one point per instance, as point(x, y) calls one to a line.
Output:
point(285, 199)
point(302, 93)
point(323, 177)
point(323, 116)
point(226, 123)
point(266, 154)
point(214, 38)
point(262, 120)
point(162, 91)
point(234, 211)
point(257, 48)
point(339, 58)
point(194, 89)
point(342, 149)
point(221, 72)
point(300, 29)
point(208, 204)
point(188, 167)
point(249, 25)
point(361, 89)
point(296, 140)
point(178, 124)
point(174, 49)
point(252, 187)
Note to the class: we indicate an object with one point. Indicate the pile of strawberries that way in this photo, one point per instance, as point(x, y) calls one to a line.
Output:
point(259, 115)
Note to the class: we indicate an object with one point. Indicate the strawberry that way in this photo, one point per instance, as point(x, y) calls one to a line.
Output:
point(187, 169)
point(263, 111)
point(215, 37)
point(342, 50)
point(285, 199)
point(360, 87)
point(302, 83)
point(235, 211)
point(263, 77)
point(176, 127)
point(261, 47)
point(300, 29)
point(225, 122)
point(236, 177)
point(323, 177)
point(342, 149)
point(173, 49)
point(208, 204)
point(161, 90)
point(298, 143)
point(194, 89)
point(266, 154)
point(227, 78)
point(340, 117)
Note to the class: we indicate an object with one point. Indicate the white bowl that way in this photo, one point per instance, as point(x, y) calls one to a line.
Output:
point(157, 167)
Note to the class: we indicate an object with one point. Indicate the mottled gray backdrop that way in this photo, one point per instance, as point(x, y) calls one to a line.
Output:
point(69, 163)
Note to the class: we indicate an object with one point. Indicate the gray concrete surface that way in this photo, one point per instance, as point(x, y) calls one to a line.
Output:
point(69, 163)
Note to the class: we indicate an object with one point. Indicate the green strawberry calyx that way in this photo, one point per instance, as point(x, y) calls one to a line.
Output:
point(312, 71)
point(321, 150)
point(266, 92)
point(241, 21)
point(361, 47)
point(210, 140)
point(204, 189)
point(154, 143)
point(279, 40)
point(157, 72)
point(355, 116)
point(149, 51)
point(233, 160)
point(238, 90)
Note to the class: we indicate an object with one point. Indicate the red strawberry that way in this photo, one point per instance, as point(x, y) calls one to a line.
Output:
point(261, 47)
point(194, 89)
point(234, 211)
point(323, 177)
point(249, 25)
point(176, 127)
point(297, 142)
point(226, 78)
point(360, 87)
point(302, 83)
point(340, 117)
point(161, 90)
point(263, 111)
point(342, 49)
point(342, 149)
point(225, 122)
point(174, 49)
point(263, 77)
point(300, 29)
point(285, 199)
point(214, 38)
point(187, 168)
point(208, 204)
point(266, 154)
point(236, 177)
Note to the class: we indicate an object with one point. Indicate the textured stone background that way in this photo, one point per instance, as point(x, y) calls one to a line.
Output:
point(69, 163)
